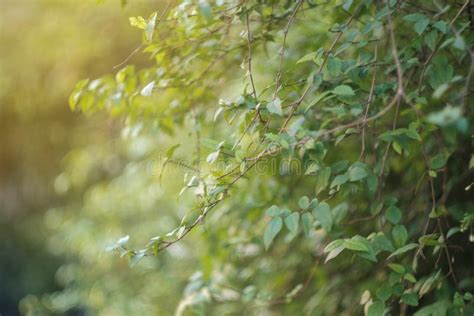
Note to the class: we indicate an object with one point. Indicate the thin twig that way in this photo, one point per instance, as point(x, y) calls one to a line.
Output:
point(323, 63)
point(282, 52)
point(369, 101)
point(143, 44)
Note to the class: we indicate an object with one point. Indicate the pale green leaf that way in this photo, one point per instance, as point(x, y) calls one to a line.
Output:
point(343, 90)
point(292, 221)
point(303, 202)
point(272, 230)
point(307, 222)
point(322, 213)
point(275, 107)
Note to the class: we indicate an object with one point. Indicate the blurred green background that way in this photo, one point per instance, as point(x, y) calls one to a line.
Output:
point(46, 46)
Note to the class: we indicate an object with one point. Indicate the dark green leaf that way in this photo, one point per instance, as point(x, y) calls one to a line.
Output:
point(410, 299)
point(377, 308)
point(400, 235)
point(393, 214)
point(437, 162)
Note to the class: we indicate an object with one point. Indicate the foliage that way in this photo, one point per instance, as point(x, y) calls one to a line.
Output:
point(46, 47)
point(326, 156)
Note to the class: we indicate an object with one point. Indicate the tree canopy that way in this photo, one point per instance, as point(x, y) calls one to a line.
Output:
point(277, 157)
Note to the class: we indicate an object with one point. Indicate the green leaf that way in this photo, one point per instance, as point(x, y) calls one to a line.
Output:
point(430, 240)
point(148, 89)
point(334, 245)
point(343, 90)
point(439, 308)
point(393, 214)
point(442, 26)
point(212, 157)
point(135, 258)
point(459, 43)
point(452, 231)
point(398, 268)
point(372, 183)
point(355, 244)
point(291, 222)
point(410, 277)
point(138, 22)
point(421, 25)
point(308, 57)
point(415, 17)
point(403, 249)
point(400, 235)
point(347, 5)
point(440, 72)
point(322, 179)
point(312, 168)
point(384, 292)
point(437, 162)
point(205, 9)
point(285, 212)
point(275, 107)
point(446, 117)
point(171, 150)
point(339, 180)
point(413, 134)
point(339, 166)
point(249, 293)
point(357, 173)
point(396, 146)
point(410, 299)
point(150, 27)
point(438, 93)
point(322, 213)
point(318, 99)
point(381, 243)
point(421, 21)
point(307, 222)
point(273, 211)
point(334, 66)
point(334, 253)
point(430, 39)
point(376, 208)
point(189, 218)
point(377, 308)
point(303, 202)
point(272, 230)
